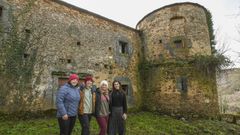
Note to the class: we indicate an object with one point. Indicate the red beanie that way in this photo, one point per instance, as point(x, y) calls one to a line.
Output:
point(72, 77)
point(88, 78)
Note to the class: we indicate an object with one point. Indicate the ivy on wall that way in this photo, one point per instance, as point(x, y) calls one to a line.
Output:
point(211, 31)
point(210, 64)
point(206, 64)
point(18, 58)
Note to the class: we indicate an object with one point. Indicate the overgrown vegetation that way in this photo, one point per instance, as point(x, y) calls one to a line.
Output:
point(19, 56)
point(210, 64)
point(211, 31)
point(137, 124)
point(206, 64)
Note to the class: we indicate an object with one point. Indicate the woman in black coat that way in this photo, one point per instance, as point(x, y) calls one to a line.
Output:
point(118, 110)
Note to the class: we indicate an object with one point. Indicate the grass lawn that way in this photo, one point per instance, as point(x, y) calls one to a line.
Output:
point(143, 123)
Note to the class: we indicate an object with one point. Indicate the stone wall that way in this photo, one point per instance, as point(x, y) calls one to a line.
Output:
point(230, 118)
point(75, 40)
point(70, 39)
point(229, 90)
point(171, 36)
point(179, 91)
point(175, 31)
point(4, 24)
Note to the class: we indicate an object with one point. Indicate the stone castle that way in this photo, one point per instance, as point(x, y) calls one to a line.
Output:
point(77, 40)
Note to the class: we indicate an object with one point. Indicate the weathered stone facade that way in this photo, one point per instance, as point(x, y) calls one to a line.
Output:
point(76, 40)
point(175, 31)
point(4, 22)
point(170, 35)
point(229, 90)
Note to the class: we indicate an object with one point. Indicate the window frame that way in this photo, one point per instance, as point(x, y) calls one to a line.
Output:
point(178, 43)
point(182, 84)
point(123, 47)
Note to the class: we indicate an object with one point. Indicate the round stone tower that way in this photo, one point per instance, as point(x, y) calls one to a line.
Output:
point(171, 38)
point(177, 30)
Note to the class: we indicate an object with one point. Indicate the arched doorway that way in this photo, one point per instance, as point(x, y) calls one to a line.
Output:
point(127, 87)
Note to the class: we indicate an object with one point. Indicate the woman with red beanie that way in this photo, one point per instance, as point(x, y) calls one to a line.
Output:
point(86, 105)
point(67, 101)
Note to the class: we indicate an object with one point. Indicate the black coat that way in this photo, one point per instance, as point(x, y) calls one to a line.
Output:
point(122, 103)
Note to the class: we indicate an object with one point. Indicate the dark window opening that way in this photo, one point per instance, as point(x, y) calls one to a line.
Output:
point(69, 61)
point(182, 84)
point(123, 47)
point(176, 18)
point(125, 89)
point(160, 41)
point(25, 55)
point(27, 31)
point(178, 44)
point(78, 43)
point(1, 11)
point(106, 66)
point(110, 67)
point(96, 64)
point(109, 48)
point(161, 57)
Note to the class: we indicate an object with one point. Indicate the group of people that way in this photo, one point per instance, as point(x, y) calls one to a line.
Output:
point(84, 101)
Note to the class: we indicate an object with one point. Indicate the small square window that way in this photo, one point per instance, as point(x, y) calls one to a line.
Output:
point(96, 64)
point(27, 31)
point(106, 66)
point(123, 47)
point(25, 55)
point(78, 43)
point(178, 43)
point(160, 41)
point(69, 61)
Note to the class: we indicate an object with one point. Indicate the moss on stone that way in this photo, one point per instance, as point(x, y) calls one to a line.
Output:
point(159, 81)
point(211, 31)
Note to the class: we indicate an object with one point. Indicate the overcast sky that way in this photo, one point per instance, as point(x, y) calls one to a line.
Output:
point(226, 16)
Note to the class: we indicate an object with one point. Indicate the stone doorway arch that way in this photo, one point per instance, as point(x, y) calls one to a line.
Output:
point(127, 87)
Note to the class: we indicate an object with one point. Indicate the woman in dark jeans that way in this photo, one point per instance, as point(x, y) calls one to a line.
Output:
point(86, 105)
point(118, 110)
point(67, 102)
